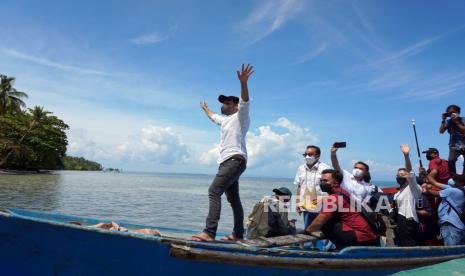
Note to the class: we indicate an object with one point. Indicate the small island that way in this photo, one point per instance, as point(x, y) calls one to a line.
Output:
point(80, 164)
point(33, 139)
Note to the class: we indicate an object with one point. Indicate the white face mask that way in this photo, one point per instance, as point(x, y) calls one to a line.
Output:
point(310, 160)
point(357, 172)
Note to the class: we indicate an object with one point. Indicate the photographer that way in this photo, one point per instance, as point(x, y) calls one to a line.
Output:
point(456, 128)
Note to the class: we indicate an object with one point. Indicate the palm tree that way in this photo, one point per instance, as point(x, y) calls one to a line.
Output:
point(39, 115)
point(10, 98)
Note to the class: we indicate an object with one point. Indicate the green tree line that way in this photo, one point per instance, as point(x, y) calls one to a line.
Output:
point(80, 164)
point(30, 138)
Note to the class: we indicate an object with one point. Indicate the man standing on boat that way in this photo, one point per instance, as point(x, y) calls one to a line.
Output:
point(232, 159)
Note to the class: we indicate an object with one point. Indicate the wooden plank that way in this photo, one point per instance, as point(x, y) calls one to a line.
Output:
point(319, 264)
point(283, 240)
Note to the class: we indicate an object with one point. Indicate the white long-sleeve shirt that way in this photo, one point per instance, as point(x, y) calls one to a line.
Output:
point(233, 132)
point(407, 199)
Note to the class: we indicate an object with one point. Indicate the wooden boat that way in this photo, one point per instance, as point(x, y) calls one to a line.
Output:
point(39, 243)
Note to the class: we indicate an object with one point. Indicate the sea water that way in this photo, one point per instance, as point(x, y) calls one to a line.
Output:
point(154, 199)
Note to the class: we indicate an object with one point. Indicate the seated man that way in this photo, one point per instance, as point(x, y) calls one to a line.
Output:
point(269, 217)
point(343, 226)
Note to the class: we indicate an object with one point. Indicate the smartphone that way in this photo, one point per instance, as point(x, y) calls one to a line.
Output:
point(339, 145)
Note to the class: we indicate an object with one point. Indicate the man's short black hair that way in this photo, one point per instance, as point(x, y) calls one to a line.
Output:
point(363, 164)
point(336, 175)
point(456, 107)
point(317, 149)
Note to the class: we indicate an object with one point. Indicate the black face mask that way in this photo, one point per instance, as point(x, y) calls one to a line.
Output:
point(325, 187)
point(429, 157)
point(401, 180)
point(224, 110)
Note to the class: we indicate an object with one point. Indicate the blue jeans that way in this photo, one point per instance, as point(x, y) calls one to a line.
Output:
point(324, 245)
point(308, 218)
point(452, 235)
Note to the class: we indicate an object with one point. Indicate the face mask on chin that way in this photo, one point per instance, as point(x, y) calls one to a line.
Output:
point(401, 180)
point(357, 172)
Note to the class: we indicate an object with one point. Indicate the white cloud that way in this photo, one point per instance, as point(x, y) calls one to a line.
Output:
point(275, 146)
point(46, 62)
point(80, 145)
point(155, 144)
point(155, 37)
point(314, 53)
point(408, 51)
point(269, 17)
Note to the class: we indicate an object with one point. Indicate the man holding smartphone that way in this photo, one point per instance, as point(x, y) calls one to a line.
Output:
point(456, 128)
point(358, 182)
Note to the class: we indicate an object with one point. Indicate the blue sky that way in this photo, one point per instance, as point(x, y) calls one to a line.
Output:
point(128, 76)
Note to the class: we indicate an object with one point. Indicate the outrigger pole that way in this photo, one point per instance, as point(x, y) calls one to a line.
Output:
point(416, 140)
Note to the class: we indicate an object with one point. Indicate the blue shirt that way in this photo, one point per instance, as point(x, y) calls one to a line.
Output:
point(446, 214)
point(457, 138)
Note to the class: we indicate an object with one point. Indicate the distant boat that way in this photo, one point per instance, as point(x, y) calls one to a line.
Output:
point(39, 243)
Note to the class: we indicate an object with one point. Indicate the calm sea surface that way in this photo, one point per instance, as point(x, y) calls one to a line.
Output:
point(170, 200)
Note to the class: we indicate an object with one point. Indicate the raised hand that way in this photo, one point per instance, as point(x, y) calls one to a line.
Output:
point(203, 105)
point(245, 73)
point(444, 116)
point(405, 148)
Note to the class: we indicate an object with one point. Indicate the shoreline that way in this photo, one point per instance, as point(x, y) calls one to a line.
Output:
point(20, 172)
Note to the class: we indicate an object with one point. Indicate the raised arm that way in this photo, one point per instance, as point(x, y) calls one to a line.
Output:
point(431, 192)
point(205, 108)
point(432, 179)
point(406, 151)
point(334, 160)
point(243, 77)
point(443, 126)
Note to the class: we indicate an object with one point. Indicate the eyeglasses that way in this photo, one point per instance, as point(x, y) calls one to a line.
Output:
point(306, 154)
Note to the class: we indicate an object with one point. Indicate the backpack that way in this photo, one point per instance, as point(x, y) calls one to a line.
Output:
point(462, 213)
point(257, 221)
point(373, 219)
point(375, 197)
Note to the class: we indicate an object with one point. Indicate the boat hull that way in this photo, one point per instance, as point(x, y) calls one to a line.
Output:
point(45, 244)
